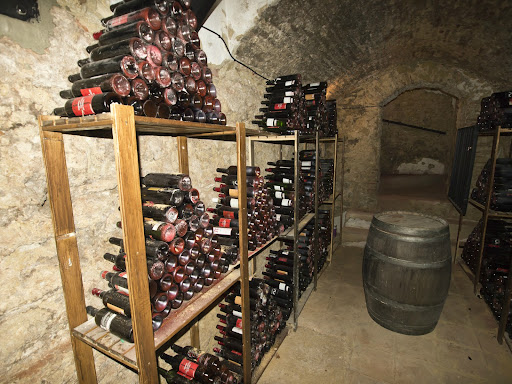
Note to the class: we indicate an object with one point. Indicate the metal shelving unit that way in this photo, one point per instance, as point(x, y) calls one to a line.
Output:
point(488, 213)
point(123, 127)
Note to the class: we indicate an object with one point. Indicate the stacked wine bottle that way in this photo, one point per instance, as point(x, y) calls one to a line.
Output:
point(332, 118)
point(267, 318)
point(262, 220)
point(316, 108)
point(495, 262)
point(284, 108)
point(183, 253)
point(148, 56)
point(324, 236)
point(501, 195)
point(495, 111)
point(191, 365)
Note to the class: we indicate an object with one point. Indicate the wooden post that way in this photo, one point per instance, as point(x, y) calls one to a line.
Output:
point(244, 267)
point(317, 241)
point(128, 178)
point(183, 154)
point(331, 250)
point(295, 276)
point(59, 197)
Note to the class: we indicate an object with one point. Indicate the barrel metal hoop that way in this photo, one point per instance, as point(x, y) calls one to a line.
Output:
point(412, 237)
point(431, 265)
point(395, 304)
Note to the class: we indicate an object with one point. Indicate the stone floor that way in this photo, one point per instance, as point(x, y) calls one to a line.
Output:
point(337, 341)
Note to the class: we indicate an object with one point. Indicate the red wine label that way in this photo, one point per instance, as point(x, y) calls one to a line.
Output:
point(228, 214)
point(90, 91)
point(124, 275)
point(119, 20)
point(82, 106)
point(239, 323)
point(225, 223)
point(236, 353)
point(280, 106)
point(188, 367)
point(282, 259)
point(115, 308)
point(122, 290)
point(106, 321)
point(222, 231)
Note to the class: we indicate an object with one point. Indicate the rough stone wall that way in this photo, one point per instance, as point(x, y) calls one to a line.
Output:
point(406, 150)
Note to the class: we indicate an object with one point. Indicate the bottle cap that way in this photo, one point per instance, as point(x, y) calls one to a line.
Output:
point(104, 274)
point(96, 291)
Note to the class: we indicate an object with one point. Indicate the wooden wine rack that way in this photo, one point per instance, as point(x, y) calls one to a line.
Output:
point(123, 127)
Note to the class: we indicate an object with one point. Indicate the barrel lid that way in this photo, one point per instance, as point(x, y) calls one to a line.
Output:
point(411, 221)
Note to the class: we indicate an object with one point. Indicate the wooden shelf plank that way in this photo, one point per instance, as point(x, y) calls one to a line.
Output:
point(302, 224)
point(495, 214)
point(256, 375)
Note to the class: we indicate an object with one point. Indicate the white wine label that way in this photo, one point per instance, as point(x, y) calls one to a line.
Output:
point(106, 321)
point(307, 163)
point(283, 287)
point(155, 227)
point(237, 330)
point(278, 188)
point(121, 289)
point(288, 83)
point(222, 231)
point(288, 100)
point(287, 181)
point(124, 275)
point(314, 85)
point(233, 203)
point(271, 122)
point(236, 313)
point(289, 93)
point(286, 202)
point(278, 217)
point(279, 195)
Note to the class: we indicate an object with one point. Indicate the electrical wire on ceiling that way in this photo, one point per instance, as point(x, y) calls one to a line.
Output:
point(235, 60)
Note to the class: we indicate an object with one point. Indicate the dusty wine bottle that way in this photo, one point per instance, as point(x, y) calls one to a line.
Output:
point(114, 301)
point(140, 29)
point(88, 105)
point(159, 230)
point(161, 212)
point(126, 64)
point(116, 83)
point(133, 46)
point(165, 180)
point(232, 170)
point(149, 15)
point(115, 323)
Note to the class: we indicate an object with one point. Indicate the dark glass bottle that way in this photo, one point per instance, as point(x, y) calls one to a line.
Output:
point(149, 15)
point(133, 46)
point(155, 267)
point(88, 105)
point(159, 230)
point(116, 83)
point(161, 212)
point(165, 180)
point(232, 170)
point(114, 301)
point(115, 323)
point(140, 29)
point(188, 368)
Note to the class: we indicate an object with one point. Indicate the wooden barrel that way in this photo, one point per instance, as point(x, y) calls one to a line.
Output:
point(406, 271)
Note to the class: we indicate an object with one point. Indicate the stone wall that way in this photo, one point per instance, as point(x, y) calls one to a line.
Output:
point(406, 150)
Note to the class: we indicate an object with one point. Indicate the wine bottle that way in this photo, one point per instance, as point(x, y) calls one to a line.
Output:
point(116, 83)
point(114, 301)
point(149, 15)
point(232, 170)
point(165, 180)
point(159, 230)
point(160, 212)
point(140, 29)
point(113, 322)
point(172, 377)
point(133, 46)
point(188, 368)
point(88, 105)
point(154, 248)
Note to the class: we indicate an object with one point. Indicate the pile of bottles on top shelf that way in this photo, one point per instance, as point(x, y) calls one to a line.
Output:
point(288, 107)
point(495, 262)
point(495, 111)
point(148, 55)
point(270, 307)
point(191, 365)
point(501, 194)
point(261, 215)
point(183, 254)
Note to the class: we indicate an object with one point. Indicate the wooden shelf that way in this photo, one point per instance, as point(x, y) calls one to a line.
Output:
point(147, 125)
point(288, 233)
point(493, 214)
point(503, 131)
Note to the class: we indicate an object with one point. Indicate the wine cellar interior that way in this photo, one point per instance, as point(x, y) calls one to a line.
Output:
point(406, 78)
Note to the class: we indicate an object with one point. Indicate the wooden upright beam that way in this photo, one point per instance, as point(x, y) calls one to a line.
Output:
point(128, 179)
point(243, 242)
point(59, 197)
point(183, 154)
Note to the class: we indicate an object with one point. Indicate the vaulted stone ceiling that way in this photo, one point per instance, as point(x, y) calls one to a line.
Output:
point(329, 39)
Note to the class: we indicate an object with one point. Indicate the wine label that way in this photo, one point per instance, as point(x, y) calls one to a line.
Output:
point(238, 300)
point(155, 227)
point(287, 181)
point(314, 85)
point(289, 93)
point(122, 290)
point(239, 323)
point(307, 164)
point(91, 91)
point(225, 223)
point(119, 20)
point(288, 83)
point(123, 275)
point(222, 231)
point(284, 259)
point(236, 313)
point(233, 203)
point(278, 216)
point(115, 308)
point(278, 188)
point(237, 330)
point(228, 214)
point(279, 106)
point(286, 202)
point(81, 106)
point(271, 122)
point(288, 100)
point(188, 367)
point(106, 321)
point(279, 195)
point(273, 291)
point(283, 287)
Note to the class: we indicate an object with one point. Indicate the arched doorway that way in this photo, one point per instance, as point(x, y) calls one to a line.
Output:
point(417, 140)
